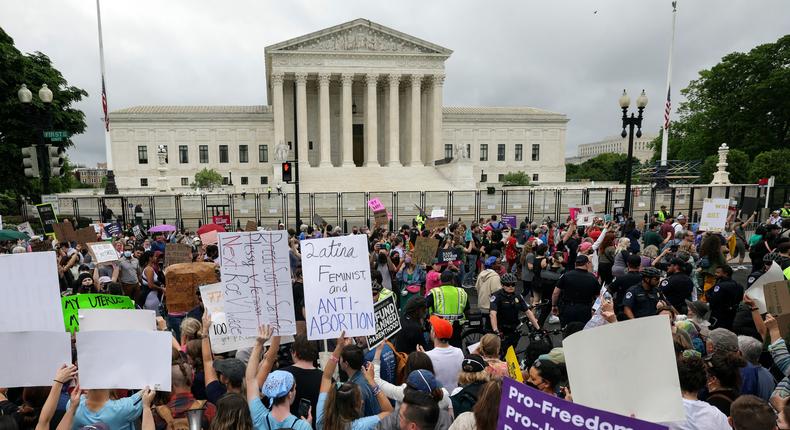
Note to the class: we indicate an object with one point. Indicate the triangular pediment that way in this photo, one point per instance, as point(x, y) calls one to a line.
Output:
point(360, 36)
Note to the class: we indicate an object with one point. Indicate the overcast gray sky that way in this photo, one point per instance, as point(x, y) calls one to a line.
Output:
point(573, 56)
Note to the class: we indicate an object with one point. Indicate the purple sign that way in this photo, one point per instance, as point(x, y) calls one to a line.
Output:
point(510, 220)
point(523, 407)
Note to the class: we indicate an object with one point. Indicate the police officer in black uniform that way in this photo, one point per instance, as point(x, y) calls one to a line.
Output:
point(575, 293)
point(677, 286)
point(642, 299)
point(506, 305)
point(622, 283)
point(724, 298)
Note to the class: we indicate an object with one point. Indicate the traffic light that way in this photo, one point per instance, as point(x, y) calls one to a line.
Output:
point(56, 159)
point(30, 161)
point(287, 169)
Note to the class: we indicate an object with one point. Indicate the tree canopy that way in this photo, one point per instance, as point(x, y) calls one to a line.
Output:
point(516, 178)
point(20, 124)
point(737, 165)
point(207, 179)
point(603, 167)
point(743, 101)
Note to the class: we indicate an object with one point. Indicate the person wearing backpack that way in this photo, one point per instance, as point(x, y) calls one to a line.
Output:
point(173, 415)
point(471, 379)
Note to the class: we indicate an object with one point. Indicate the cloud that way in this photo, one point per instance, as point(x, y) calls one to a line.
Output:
point(560, 55)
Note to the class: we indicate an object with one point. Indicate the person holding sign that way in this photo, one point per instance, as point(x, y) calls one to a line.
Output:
point(340, 408)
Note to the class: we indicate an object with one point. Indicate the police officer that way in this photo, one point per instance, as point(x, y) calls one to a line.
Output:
point(724, 298)
point(450, 303)
point(506, 305)
point(622, 283)
point(575, 293)
point(642, 299)
point(677, 287)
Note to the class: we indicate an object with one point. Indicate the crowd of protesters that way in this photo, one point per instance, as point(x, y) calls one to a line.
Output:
point(733, 363)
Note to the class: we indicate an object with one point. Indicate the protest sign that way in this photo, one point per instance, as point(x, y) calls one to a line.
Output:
point(71, 305)
point(573, 212)
point(425, 250)
point(513, 368)
point(615, 353)
point(432, 223)
point(510, 220)
point(251, 226)
point(337, 287)
point(64, 231)
point(138, 232)
point(43, 245)
point(387, 321)
point(714, 214)
point(124, 359)
point(777, 297)
point(437, 213)
point(585, 216)
point(26, 228)
point(183, 280)
point(756, 291)
point(319, 221)
point(221, 341)
point(209, 237)
point(375, 205)
point(30, 358)
point(221, 219)
point(85, 235)
point(53, 200)
point(256, 274)
point(177, 253)
point(116, 319)
point(380, 218)
point(523, 407)
point(102, 252)
point(30, 293)
point(47, 216)
point(112, 229)
point(783, 322)
point(448, 254)
point(748, 206)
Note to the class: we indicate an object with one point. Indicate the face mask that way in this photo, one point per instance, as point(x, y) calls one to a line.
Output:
point(127, 254)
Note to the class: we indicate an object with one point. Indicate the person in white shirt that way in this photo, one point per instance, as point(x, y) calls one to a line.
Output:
point(446, 359)
point(699, 415)
point(680, 224)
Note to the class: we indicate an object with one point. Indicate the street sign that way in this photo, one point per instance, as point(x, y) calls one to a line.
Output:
point(56, 135)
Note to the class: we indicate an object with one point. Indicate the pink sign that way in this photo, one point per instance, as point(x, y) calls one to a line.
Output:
point(375, 205)
point(221, 219)
point(209, 237)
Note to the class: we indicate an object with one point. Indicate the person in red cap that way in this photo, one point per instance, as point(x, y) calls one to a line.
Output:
point(446, 359)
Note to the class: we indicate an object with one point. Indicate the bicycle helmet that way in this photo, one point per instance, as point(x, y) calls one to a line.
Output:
point(509, 279)
point(651, 272)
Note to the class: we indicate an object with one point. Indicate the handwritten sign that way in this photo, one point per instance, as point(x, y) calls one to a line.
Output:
point(437, 213)
point(380, 218)
point(86, 235)
point(102, 252)
point(425, 250)
point(337, 287)
point(72, 304)
point(30, 291)
point(777, 297)
point(46, 213)
point(221, 341)
point(319, 221)
point(375, 205)
point(757, 290)
point(432, 223)
point(387, 321)
point(183, 280)
point(523, 407)
point(714, 214)
point(26, 228)
point(177, 253)
point(43, 245)
point(209, 238)
point(256, 274)
point(251, 226)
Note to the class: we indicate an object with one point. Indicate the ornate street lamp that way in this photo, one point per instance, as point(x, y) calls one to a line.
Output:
point(631, 122)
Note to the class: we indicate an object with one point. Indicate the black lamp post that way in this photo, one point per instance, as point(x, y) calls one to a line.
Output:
point(41, 121)
point(631, 122)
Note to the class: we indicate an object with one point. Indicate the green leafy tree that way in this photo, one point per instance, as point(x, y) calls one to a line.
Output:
point(516, 179)
point(19, 125)
point(207, 179)
point(771, 163)
point(737, 166)
point(743, 101)
point(603, 167)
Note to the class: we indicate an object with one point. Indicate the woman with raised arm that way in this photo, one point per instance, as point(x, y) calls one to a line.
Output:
point(65, 374)
point(340, 408)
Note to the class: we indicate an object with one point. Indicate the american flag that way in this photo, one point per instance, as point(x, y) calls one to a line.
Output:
point(667, 109)
point(104, 105)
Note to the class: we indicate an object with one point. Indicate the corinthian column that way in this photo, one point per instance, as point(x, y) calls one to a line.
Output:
point(277, 98)
point(371, 125)
point(416, 160)
point(301, 118)
point(394, 121)
point(436, 112)
point(325, 154)
point(348, 145)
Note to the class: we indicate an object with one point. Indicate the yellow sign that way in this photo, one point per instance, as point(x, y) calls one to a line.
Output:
point(512, 365)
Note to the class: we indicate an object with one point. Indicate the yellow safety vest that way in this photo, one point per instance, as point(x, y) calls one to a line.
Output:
point(384, 294)
point(449, 302)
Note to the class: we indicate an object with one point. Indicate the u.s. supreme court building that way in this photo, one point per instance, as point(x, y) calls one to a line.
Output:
point(365, 104)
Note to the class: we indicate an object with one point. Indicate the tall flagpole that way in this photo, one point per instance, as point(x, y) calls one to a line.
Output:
point(668, 104)
point(110, 188)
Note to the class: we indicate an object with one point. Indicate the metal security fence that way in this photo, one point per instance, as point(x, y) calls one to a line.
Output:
point(351, 209)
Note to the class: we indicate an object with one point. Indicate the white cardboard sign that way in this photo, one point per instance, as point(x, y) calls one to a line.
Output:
point(213, 299)
point(337, 285)
point(714, 214)
point(756, 293)
point(31, 358)
point(614, 353)
point(117, 319)
point(26, 228)
point(103, 251)
point(124, 359)
point(30, 293)
point(256, 276)
point(585, 216)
